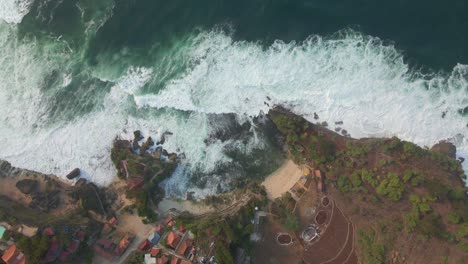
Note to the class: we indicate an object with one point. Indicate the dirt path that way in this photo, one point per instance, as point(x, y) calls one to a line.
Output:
point(283, 179)
point(193, 208)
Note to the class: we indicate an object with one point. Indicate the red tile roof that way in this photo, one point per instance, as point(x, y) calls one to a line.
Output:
point(175, 260)
point(80, 235)
point(49, 231)
point(123, 245)
point(168, 219)
point(144, 245)
point(104, 243)
point(64, 256)
point(103, 252)
point(54, 250)
point(184, 247)
point(184, 262)
point(73, 247)
point(172, 240)
point(163, 260)
point(13, 256)
point(182, 229)
point(155, 251)
point(113, 221)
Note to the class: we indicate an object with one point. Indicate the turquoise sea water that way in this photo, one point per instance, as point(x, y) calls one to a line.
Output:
point(77, 73)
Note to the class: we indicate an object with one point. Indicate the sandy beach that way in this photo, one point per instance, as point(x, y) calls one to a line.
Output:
point(280, 181)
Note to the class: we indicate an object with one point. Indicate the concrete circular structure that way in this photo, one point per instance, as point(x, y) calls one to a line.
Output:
point(284, 239)
point(310, 234)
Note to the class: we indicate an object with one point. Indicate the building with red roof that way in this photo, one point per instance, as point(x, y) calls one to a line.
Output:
point(54, 251)
point(169, 221)
point(184, 262)
point(145, 245)
point(102, 252)
point(155, 252)
point(173, 240)
point(175, 260)
point(123, 244)
point(48, 231)
point(182, 229)
point(80, 235)
point(113, 221)
point(13, 256)
point(163, 260)
point(185, 247)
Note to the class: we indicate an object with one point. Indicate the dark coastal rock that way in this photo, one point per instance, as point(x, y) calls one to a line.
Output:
point(344, 132)
point(337, 129)
point(324, 124)
point(445, 148)
point(461, 160)
point(163, 137)
point(137, 135)
point(316, 116)
point(338, 123)
point(149, 143)
point(73, 174)
point(27, 186)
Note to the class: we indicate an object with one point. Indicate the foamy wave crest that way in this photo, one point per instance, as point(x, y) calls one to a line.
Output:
point(13, 11)
point(351, 78)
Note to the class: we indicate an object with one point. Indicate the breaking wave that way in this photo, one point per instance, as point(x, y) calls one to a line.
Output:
point(348, 77)
point(13, 11)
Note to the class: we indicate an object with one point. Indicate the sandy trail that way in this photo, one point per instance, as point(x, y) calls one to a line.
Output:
point(280, 181)
point(181, 206)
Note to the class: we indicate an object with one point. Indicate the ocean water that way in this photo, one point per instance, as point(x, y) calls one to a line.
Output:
point(77, 73)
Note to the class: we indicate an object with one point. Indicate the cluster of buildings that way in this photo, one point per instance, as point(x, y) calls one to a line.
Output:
point(168, 244)
point(56, 251)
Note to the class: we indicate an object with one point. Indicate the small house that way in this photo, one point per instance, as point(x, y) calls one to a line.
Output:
point(173, 240)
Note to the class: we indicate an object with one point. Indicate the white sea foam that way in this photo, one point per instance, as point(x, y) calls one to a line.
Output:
point(13, 11)
point(354, 79)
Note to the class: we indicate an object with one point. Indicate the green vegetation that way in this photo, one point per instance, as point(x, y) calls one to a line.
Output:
point(454, 218)
point(372, 252)
point(296, 130)
point(413, 177)
point(34, 248)
point(344, 184)
point(356, 149)
point(391, 187)
point(136, 258)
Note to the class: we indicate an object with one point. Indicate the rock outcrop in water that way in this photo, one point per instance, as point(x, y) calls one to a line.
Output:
point(73, 174)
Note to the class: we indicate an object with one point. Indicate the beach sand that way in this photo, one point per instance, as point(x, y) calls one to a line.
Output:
point(280, 181)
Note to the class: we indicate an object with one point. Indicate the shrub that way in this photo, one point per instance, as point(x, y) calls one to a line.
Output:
point(356, 179)
point(344, 185)
point(391, 187)
point(454, 218)
point(463, 230)
point(411, 221)
point(372, 252)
